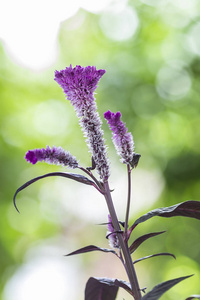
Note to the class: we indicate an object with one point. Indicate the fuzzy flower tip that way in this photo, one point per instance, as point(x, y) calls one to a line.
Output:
point(122, 139)
point(79, 84)
point(53, 156)
point(112, 236)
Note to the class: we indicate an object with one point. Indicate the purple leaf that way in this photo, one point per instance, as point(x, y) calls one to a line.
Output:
point(100, 289)
point(153, 255)
point(89, 249)
point(163, 287)
point(104, 288)
point(193, 297)
point(123, 284)
point(76, 177)
point(141, 239)
point(189, 209)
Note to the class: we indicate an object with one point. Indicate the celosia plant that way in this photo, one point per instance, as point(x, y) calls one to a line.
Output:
point(79, 85)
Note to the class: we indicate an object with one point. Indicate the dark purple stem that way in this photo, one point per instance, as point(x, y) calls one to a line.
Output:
point(128, 200)
point(124, 246)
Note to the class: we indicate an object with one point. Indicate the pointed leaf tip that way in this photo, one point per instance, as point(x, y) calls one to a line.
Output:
point(163, 287)
point(76, 177)
point(90, 249)
point(190, 209)
point(154, 255)
point(142, 239)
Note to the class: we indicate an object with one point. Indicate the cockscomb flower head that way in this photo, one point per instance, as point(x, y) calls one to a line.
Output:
point(53, 156)
point(111, 234)
point(79, 84)
point(123, 140)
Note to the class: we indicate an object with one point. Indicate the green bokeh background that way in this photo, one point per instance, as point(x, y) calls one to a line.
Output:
point(153, 79)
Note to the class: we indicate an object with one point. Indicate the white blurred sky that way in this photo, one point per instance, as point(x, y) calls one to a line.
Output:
point(29, 29)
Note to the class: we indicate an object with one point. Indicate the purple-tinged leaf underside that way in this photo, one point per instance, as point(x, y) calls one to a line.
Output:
point(100, 289)
point(142, 239)
point(193, 297)
point(124, 284)
point(76, 177)
point(96, 287)
point(154, 255)
point(90, 249)
point(163, 287)
point(190, 209)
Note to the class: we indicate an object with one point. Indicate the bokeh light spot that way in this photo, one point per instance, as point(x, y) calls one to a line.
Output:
point(51, 118)
point(173, 82)
point(193, 39)
point(119, 25)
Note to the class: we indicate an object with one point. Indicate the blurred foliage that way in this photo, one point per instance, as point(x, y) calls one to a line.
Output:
point(152, 77)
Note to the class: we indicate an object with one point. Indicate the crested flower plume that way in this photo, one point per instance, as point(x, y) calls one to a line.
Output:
point(112, 236)
point(53, 156)
point(79, 84)
point(123, 140)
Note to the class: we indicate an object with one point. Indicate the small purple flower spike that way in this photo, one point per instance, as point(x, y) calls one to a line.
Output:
point(122, 139)
point(112, 236)
point(79, 85)
point(53, 156)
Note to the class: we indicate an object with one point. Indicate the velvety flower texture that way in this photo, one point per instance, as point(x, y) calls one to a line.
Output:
point(112, 236)
point(79, 84)
point(122, 139)
point(54, 155)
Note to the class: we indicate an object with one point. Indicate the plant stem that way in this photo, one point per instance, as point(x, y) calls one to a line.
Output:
point(128, 199)
point(124, 246)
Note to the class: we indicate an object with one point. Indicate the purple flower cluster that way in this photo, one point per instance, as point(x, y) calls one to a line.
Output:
point(122, 139)
point(54, 156)
point(112, 236)
point(79, 84)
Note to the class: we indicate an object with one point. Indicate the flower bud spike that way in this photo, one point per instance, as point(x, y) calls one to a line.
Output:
point(123, 140)
point(52, 156)
point(79, 84)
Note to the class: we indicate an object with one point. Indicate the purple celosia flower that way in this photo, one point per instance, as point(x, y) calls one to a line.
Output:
point(79, 85)
point(122, 139)
point(54, 155)
point(112, 236)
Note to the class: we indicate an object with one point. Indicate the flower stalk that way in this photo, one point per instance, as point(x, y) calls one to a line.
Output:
point(123, 244)
point(128, 200)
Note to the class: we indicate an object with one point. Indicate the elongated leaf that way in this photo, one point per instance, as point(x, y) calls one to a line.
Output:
point(89, 249)
point(100, 289)
point(76, 177)
point(189, 209)
point(193, 297)
point(141, 239)
point(153, 255)
point(163, 287)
